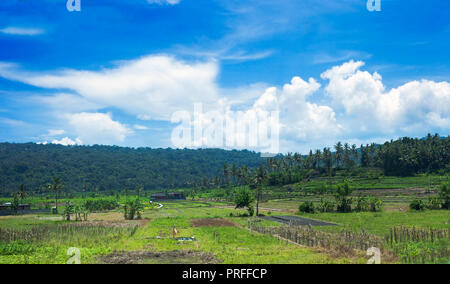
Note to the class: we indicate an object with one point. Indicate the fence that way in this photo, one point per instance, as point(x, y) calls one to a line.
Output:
point(344, 241)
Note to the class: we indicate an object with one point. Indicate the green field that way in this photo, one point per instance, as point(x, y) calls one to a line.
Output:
point(223, 234)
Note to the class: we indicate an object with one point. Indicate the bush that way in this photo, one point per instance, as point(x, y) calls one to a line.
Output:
point(104, 204)
point(68, 210)
point(434, 203)
point(362, 204)
point(244, 198)
point(375, 204)
point(306, 207)
point(444, 195)
point(344, 202)
point(326, 205)
point(133, 209)
point(417, 205)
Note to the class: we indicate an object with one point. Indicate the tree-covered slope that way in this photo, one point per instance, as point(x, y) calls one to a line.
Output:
point(110, 167)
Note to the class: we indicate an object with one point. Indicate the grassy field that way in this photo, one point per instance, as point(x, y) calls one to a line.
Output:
point(222, 237)
point(107, 233)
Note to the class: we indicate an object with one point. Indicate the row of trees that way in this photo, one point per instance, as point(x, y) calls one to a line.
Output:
point(402, 157)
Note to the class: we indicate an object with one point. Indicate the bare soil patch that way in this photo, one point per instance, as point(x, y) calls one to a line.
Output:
point(170, 257)
point(212, 222)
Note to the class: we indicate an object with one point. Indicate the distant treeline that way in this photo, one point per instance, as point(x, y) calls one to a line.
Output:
point(402, 157)
point(111, 168)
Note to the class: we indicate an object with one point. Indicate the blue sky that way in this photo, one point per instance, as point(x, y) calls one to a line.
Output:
point(116, 72)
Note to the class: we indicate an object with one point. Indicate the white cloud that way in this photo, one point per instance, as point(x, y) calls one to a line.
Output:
point(66, 141)
point(98, 128)
point(153, 87)
point(414, 107)
point(22, 31)
point(140, 127)
point(300, 120)
point(164, 2)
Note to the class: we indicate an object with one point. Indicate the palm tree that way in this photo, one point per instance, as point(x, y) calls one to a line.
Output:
point(317, 158)
point(347, 153)
point(355, 153)
point(22, 194)
point(55, 188)
point(260, 177)
point(339, 153)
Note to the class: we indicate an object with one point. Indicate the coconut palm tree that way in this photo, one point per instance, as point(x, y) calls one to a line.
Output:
point(259, 180)
point(22, 193)
point(55, 188)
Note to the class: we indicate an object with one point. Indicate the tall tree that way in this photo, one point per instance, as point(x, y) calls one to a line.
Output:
point(56, 187)
point(22, 193)
point(259, 180)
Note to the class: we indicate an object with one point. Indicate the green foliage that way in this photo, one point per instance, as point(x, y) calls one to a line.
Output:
point(69, 209)
point(444, 195)
point(15, 248)
point(106, 168)
point(344, 202)
point(133, 209)
point(15, 204)
point(243, 199)
point(375, 204)
point(434, 203)
point(362, 204)
point(417, 205)
point(102, 204)
point(326, 205)
point(306, 207)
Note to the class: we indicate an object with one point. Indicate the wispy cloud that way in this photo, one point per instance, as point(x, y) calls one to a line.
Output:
point(164, 2)
point(22, 31)
point(321, 58)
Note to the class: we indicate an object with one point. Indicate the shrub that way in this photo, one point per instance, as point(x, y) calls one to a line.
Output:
point(133, 209)
point(104, 204)
point(417, 205)
point(344, 202)
point(362, 204)
point(326, 205)
point(68, 210)
point(306, 207)
point(444, 195)
point(375, 204)
point(434, 203)
point(244, 198)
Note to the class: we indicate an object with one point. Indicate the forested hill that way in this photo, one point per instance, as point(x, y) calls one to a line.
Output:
point(112, 168)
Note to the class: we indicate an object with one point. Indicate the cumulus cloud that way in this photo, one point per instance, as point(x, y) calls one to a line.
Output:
point(66, 141)
point(98, 128)
point(151, 87)
point(21, 31)
point(155, 87)
point(367, 105)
